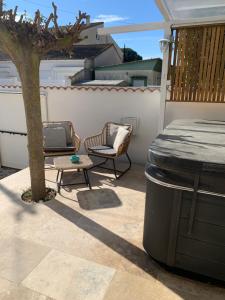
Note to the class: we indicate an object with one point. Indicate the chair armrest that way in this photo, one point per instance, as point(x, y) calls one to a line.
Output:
point(92, 141)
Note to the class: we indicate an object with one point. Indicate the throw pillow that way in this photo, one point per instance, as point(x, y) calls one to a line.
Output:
point(121, 136)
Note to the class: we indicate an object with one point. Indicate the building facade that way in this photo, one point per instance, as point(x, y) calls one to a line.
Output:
point(137, 73)
point(58, 68)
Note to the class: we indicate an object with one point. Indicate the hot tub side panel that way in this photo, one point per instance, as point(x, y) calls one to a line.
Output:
point(161, 222)
point(173, 237)
point(201, 245)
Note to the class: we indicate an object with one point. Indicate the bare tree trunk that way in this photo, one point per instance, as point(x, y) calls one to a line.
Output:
point(29, 74)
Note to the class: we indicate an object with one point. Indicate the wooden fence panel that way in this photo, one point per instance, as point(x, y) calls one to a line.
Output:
point(197, 71)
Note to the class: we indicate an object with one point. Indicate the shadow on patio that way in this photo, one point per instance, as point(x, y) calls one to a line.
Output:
point(102, 226)
point(131, 252)
point(15, 198)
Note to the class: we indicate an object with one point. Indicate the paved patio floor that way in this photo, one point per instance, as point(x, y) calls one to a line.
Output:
point(84, 245)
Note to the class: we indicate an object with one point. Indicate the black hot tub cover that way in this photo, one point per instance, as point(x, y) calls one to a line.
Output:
point(191, 147)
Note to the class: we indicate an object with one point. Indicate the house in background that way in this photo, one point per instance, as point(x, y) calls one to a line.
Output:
point(94, 56)
point(58, 67)
point(91, 37)
point(137, 73)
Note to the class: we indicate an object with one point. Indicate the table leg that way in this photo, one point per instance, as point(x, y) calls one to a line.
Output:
point(87, 178)
point(59, 179)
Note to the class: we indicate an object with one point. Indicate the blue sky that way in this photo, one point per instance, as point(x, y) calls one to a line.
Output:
point(113, 12)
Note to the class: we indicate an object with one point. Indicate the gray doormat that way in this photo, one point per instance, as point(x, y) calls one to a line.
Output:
point(98, 199)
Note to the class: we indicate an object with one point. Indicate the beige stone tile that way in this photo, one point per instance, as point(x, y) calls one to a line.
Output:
point(69, 237)
point(107, 236)
point(17, 221)
point(125, 286)
point(132, 207)
point(128, 228)
point(19, 257)
point(11, 291)
point(64, 277)
point(194, 287)
point(137, 262)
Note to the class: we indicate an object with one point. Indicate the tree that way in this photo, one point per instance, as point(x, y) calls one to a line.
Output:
point(130, 55)
point(26, 42)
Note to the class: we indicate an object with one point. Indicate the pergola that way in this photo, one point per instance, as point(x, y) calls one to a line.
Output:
point(203, 22)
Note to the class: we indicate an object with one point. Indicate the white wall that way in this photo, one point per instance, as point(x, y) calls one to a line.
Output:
point(52, 72)
point(108, 57)
point(89, 110)
point(153, 77)
point(182, 110)
point(13, 148)
point(57, 72)
point(92, 37)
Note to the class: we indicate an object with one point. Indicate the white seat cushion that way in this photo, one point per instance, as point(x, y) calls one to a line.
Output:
point(103, 150)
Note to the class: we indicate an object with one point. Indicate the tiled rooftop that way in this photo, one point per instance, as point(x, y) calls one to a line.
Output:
point(84, 244)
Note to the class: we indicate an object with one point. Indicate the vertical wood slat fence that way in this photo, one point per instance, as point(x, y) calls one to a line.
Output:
point(197, 71)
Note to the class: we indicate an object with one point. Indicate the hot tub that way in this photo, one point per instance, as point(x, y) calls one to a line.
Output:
point(185, 200)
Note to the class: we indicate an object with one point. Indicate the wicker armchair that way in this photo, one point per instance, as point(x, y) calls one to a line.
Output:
point(72, 139)
point(103, 145)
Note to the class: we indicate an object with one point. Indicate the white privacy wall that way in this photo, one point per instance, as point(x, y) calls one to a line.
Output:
point(182, 110)
point(13, 148)
point(89, 110)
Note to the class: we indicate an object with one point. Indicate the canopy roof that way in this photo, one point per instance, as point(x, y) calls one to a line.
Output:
point(181, 10)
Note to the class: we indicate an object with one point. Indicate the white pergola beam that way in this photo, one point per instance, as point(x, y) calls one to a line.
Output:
point(134, 28)
point(164, 10)
point(160, 25)
point(199, 7)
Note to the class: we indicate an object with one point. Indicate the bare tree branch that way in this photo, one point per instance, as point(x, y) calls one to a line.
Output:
point(37, 33)
point(21, 18)
point(55, 19)
point(79, 20)
point(15, 13)
point(10, 14)
point(37, 19)
point(50, 18)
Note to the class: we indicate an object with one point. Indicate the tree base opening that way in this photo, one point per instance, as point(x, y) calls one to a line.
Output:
point(49, 195)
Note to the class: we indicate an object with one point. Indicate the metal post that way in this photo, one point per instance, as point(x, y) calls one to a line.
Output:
point(163, 91)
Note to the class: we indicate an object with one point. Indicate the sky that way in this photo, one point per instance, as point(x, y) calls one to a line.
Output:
point(112, 12)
